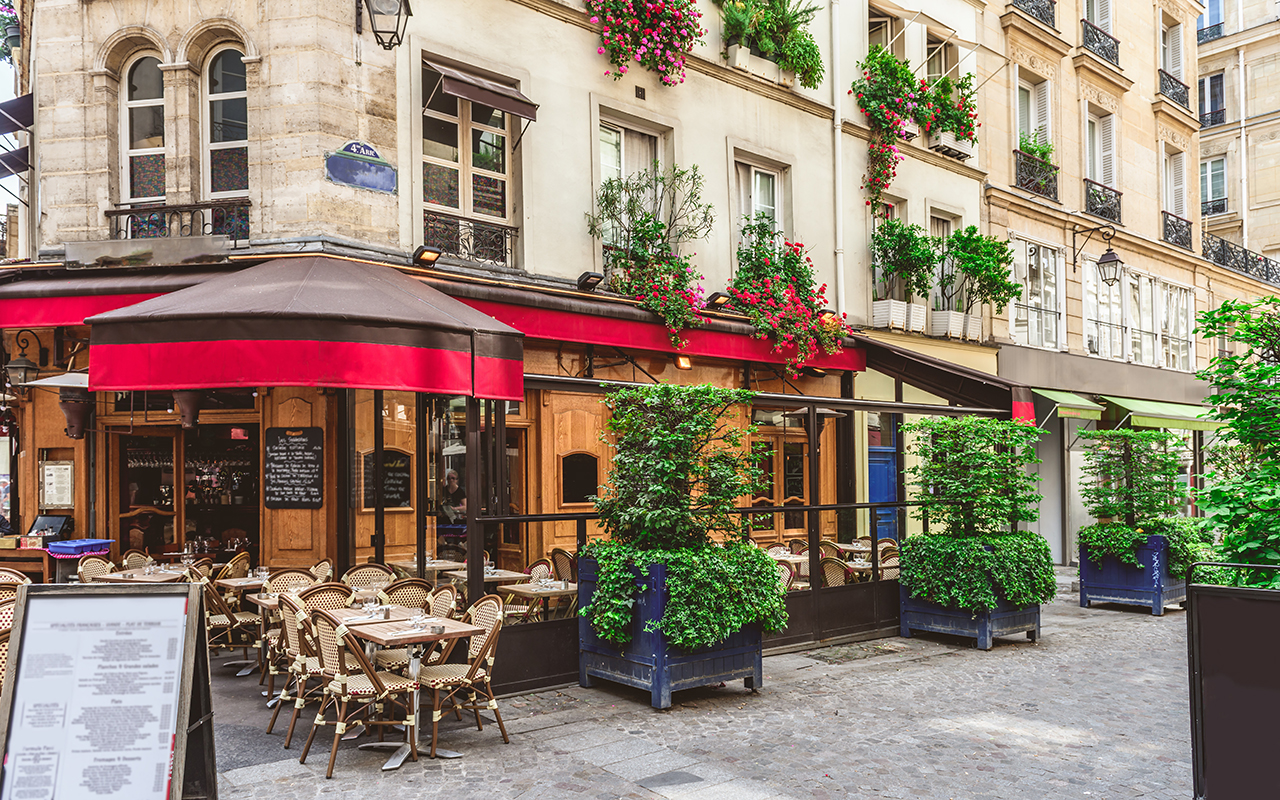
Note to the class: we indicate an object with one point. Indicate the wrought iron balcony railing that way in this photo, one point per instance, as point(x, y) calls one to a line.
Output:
point(1210, 207)
point(1233, 256)
point(1043, 10)
point(1034, 175)
point(1101, 43)
point(1211, 118)
point(1175, 90)
point(1101, 201)
point(1208, 34)
point(228, 218)
point(1175, 229)
point(469, 239)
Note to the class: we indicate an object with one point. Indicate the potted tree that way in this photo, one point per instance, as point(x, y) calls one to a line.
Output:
point(974, 574)
point(902, 261)
point(1139, 551)
point(663, 607)
point(976, 270)
point(771, 39)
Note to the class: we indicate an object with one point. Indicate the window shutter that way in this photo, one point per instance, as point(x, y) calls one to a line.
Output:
point(1104, 15)
point(1178, 184)
point(1175, 51)
point(1107, 145)
point(1041, 111)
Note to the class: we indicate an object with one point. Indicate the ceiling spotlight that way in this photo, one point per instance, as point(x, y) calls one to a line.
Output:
point(588, 281)
point(717, 301)
point(814, 372)
point(426, 255)
point(683, 362)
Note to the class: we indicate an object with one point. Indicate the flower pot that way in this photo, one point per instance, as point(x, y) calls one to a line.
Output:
point(1005, 619)
point(947, 324)
point(973, 327)
point(648, 661)
point(917, 317)
point(739, 57)
point(1106, 579)
point(889, 314)
point(787, 77)
point(909, 130)
point(13, 36)
point(947, 144)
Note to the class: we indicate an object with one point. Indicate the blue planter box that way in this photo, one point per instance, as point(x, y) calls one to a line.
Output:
point(1006, 620)
point(648, 661)
point(1106, 579)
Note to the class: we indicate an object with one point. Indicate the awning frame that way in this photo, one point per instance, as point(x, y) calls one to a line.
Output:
point(1149, 414)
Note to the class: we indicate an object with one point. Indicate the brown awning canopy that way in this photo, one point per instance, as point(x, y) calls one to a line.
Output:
point(308, 321)
point(464, 85)
point(14, 162)
point(16, 114)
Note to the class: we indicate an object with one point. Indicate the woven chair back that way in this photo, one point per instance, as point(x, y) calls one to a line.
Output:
point(289, 580)
point(91, 567)
point(329, 645)
point(8, 591)
point(541, 568)
point(214, 602)
point(566, 565)
point(886, 542)
point(888, 552)
point(828, 549)
point(4, 653)
point(778, 550)
point(362, 576)
point(134, 559)
point(834, 572)
point(484, 613)
point(407, 592)
point(291, 614)
point(889, 567)
point(238, 567)
point(786, 575)
point(8, 575)
point(444, 601)
point(326, 596)
point(798, 546)
point(323, 570)
point(7, 607)
point(204, 566)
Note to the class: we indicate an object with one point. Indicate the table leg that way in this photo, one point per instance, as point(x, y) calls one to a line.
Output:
point(401, 751)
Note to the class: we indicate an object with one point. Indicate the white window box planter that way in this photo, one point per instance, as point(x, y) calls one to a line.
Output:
point(947, 144)
point(742, 58)
point(917, 317)
point(889, 314)
point(910, 130)
point(973, 327)
point(955, 325)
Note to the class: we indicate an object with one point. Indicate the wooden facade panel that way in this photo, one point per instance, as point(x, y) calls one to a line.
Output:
point(296, 536)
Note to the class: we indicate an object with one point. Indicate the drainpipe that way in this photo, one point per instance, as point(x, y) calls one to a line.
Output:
point(1244, 166)
point(837, 149)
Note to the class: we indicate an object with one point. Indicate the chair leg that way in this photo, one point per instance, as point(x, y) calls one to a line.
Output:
point(301, 685)
point(337, 737)
point(410, 728)
point(475, 709)
point(493, 706)
point(435, 720)
point(311, 736)
point(284, 698)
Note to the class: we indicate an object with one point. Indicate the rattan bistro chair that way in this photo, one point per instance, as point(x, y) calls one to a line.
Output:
point(566, 565)
point(304, 664)
point(363, 576)
point(828, 549)
point(10, 580)
point(407, 592)
point(323, 570)
point(364, 685)
point(134, 559)
point(7, 607)
point(226, 626)
point(4, 654)
point(786, 576)
point(889, 569)
point(798, 546)
point(90, 567)
point(835, 572)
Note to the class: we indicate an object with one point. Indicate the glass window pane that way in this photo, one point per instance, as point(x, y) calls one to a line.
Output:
point(226, 73)
point(229, 169)
point(440, 185)
point(229, 120)
point(579, 478)
point(146, 127)
point(1024, 110)
point(483, 115)
point(146, 176)
point(764, 194)
point(440, 139)
point(145, 80)
point(489, 196)
point(489, 151)
point(435, 99)
point(610, 153)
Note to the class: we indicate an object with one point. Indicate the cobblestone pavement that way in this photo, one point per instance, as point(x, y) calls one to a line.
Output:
point(1097, 709)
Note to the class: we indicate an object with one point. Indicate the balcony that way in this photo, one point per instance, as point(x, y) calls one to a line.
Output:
point(1100, 43)
point(1175, 90)
point(228, 218)
point(1209, 33)
point(468, 239)
point(1210, 207)
point(1234, 257)
point(1175, 229)
point(1035, 176)
point(1211, 118)
point(1102, 201)
point(1043, 10)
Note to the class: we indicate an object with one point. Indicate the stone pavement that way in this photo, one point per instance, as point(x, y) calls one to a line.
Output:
point(1097, 709)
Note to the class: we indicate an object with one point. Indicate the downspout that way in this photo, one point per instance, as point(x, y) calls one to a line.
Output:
point(1244, 166)
point(837, 158)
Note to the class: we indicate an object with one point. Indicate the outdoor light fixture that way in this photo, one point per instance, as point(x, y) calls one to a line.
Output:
point(426, 255)
point(826, 315)
point(824, 414)
point(1109, 263)
point(814, 372)
point(189, 403)
point(588, 281)
point(76, 405)
point(21, 369)
point(387, 20)
point(717, 301)
point(683, 362)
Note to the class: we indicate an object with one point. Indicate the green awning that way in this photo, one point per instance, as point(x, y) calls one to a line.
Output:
point(1156, 414)
point(1071, 405)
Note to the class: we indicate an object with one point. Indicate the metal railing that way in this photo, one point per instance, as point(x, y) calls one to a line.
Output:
point(1210, 207)
point(1175, 230)
point(1234, 257)
point(1104, 339)
point(469, 239)
point(228, 218)
point(1175, 90)
point(1034, 175)
point(1043, 10)
point(1101, 201)
point(1210, 118)
point(1209, 33)
point(1099, 42)
point(1035, 325)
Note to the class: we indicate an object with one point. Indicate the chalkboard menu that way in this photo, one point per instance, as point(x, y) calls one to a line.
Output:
point(293, 469)
point(397, 479)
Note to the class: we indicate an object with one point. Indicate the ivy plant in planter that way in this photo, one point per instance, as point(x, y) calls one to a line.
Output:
point(973, 574)
point(903, 257)
point(1137, 553)
point(775, 30)
point(975, 270)
point(643, 220)
point(657, 36)
point(663, 608)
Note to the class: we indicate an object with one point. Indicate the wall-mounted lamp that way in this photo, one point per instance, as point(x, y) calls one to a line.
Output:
point(814, 372)
point(717, 301)
point(387, 20)
point(683, 362)
point(76, 405)
point(1109, 263)
point(826, 315)
point(426, 256)
point(588, 281)
point(20, 369)
point(189, 403)
point(824, 414)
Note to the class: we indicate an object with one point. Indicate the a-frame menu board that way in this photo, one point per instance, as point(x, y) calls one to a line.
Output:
point(106, 695)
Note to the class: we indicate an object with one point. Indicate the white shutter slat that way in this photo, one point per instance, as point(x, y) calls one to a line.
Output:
point(1175, 51)
point(1107, 146)
point(1041, 111)
point(1104, 15)
point(1178, 184)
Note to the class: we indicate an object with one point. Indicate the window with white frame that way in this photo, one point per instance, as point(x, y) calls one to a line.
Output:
point(946, 293)
point(1036, 315)
point(466, 155)
point(1098, 13)
point(1101, 149)
point(880, 25)
point(227, 126)
point(939, 58)
point(1175, 183)
point(1171, 49)
point(1104, 331)
point(1212, 95)
point(759, 192)
point(143, 125)
point(1175, 326)
point(623, 152)
point(1033, 108)
point(1213, 186)
point(1212, 15)
point(1142, 321)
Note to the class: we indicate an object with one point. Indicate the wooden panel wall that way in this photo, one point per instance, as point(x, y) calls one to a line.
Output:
point(300, 537)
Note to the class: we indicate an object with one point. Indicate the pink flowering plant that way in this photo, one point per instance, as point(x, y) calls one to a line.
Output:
point(775, 287)
point(657, 36)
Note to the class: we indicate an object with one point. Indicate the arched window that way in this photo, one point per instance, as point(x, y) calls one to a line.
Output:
point(227, 126)
point(143, 134)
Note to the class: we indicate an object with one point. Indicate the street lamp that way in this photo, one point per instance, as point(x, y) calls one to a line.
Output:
point(1109, 263)
point(387, 20)
point(21, 369)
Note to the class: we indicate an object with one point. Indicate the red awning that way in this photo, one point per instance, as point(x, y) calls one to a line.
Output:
point(310, 321)
point(67, 298)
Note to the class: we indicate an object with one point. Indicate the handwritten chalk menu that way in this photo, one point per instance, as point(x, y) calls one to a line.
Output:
point(293, 468)
point(397, 479)
point(96, 696)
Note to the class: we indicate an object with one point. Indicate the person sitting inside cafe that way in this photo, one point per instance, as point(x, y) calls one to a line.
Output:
point(453, 502)
point(144, 532)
